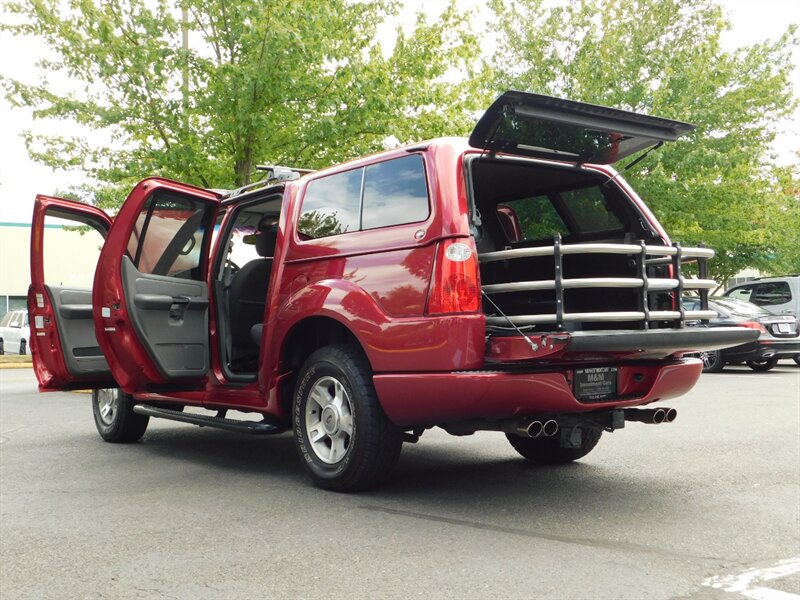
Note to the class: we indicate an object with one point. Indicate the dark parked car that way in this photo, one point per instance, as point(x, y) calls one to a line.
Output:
point(779, 334)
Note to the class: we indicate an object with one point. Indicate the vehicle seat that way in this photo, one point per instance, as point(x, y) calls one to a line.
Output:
point(248, 291)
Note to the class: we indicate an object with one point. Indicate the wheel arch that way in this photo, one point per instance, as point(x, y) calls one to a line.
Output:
point(311, 334)
point(306, 337)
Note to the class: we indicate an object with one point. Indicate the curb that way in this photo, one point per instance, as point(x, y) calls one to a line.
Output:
point(16, 365)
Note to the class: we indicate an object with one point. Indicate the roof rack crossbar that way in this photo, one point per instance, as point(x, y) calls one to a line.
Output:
point(275, 174)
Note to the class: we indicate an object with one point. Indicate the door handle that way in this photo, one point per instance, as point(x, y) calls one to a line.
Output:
point(177, 309)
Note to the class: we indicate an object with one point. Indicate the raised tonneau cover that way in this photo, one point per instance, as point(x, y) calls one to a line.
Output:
point(545, 127)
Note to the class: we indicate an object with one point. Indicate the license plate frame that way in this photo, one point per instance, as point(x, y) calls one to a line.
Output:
point(595, 384)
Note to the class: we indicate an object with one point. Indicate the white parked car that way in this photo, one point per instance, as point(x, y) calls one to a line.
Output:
point(14, 332)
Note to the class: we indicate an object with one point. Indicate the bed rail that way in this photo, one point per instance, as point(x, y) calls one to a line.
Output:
point(644, 255)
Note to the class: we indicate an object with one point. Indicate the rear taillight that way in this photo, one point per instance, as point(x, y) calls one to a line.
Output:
point(753, 325)
point(455, 288)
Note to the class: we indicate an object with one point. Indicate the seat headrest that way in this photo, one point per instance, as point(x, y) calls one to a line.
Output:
point(265, 240)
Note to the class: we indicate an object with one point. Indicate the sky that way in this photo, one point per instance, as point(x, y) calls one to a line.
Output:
point(21, 178)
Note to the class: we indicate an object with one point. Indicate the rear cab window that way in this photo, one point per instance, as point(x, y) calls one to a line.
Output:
point(767, 293)
point(771, 293)
point(571, 214)
point(393, 192)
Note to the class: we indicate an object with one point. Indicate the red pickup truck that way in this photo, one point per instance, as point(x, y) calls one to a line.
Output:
point(510, 282)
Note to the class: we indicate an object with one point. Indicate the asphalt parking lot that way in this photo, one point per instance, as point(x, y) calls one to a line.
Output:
point(705, 507)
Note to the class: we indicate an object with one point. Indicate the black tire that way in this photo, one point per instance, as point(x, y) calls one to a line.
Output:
point(763, 365)
point(345, 440)
point(796, 359)
point(548, 450)
point(114, 417)
point(22, 347)
point(2, 347)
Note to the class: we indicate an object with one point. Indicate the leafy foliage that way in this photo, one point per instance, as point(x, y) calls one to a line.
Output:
point(306, 83)
point(295, 82)
point(664, 57)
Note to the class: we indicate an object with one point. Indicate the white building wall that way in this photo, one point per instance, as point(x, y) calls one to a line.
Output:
point(70, 260)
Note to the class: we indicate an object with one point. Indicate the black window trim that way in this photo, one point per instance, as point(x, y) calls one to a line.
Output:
point(363, 169)
point(140, 245)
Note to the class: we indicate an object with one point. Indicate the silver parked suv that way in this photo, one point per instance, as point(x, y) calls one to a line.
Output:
point(778, 295)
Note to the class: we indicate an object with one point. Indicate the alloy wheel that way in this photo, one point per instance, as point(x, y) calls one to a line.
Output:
point(329, 420)
point(709, 358)
point(107, 405)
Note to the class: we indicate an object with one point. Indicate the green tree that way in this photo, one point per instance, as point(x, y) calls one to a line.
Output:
point(664, 57)
point(295, 82)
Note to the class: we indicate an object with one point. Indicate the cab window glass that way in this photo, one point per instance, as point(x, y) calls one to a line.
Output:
point(167, 237)
point(331, 205)
point(741, 293)
point(771, 293)
point(537, 218)
point(6, 319)
point(690, 304)
point(395, 192)
point(70, 250)
point(590, 211)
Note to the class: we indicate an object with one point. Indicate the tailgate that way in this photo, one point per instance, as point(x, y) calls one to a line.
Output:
point(605, 345)
point(658, 343)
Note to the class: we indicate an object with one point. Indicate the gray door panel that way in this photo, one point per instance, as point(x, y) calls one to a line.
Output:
point(73, 315)
point(170, 316)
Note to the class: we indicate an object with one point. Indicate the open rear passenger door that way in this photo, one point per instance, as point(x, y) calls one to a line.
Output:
point(151, 297)
point(66, 238)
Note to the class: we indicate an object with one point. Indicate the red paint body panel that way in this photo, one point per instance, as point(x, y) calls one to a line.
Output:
point(392, 345)
point(426, 398)
point(131, 364)
point(45, 344)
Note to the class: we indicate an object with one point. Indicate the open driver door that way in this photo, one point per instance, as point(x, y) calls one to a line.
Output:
point(66, 237)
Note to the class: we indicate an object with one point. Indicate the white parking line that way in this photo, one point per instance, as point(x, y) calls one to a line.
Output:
point(769, 594)
point(749, 583)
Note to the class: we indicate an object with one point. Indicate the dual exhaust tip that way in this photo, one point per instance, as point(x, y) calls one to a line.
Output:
point(538, 428)
point(550, 427)
point(654, 416)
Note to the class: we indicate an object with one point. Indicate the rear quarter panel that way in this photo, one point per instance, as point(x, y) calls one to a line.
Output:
point(375, 282)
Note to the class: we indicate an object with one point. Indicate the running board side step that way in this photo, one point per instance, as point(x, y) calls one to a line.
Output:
point(253, 427)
